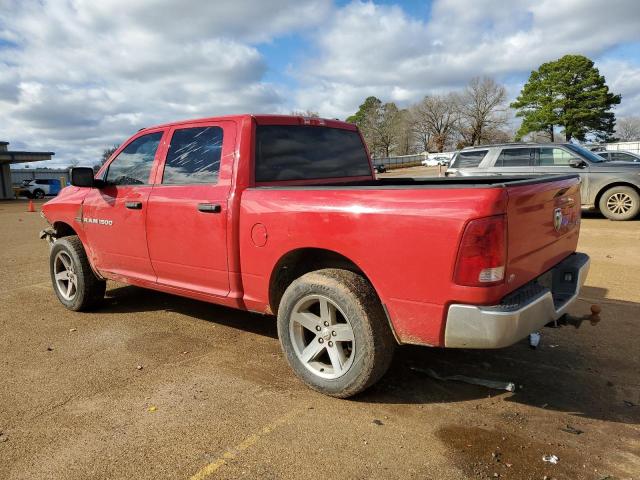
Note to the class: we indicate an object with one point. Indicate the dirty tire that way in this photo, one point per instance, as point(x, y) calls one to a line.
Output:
point(89, 290)
point(373, 341)
point(38, 193)
point(620, 203)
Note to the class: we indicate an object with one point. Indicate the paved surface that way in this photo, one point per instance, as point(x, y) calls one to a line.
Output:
point(215, 398)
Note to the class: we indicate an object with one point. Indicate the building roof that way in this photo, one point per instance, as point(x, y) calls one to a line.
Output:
point(16, 156)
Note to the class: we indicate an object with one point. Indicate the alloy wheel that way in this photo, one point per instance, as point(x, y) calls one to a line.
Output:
point(65, 276)
point(619, 203)
point(322, 336)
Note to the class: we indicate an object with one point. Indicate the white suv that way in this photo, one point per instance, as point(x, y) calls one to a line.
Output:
point(40, 188)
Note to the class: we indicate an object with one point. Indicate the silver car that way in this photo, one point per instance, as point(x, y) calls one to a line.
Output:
point(609, 186)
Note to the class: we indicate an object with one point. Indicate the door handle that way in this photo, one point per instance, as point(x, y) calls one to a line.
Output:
point(209, 208)
point(133, 205)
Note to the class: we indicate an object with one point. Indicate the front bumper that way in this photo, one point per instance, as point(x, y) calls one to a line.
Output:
point(521, 312)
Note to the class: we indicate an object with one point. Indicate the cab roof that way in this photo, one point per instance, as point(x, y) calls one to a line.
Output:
point(265, 119)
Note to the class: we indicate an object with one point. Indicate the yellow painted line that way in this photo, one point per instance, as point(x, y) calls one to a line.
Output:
point(248, 442)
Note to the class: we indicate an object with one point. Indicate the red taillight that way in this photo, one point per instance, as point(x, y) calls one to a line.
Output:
point(483, 253)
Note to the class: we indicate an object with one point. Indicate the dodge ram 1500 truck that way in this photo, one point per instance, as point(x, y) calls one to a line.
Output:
point(284, 215)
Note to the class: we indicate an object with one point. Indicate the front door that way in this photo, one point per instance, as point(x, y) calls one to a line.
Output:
point(557, 160)
point(187, 217)
point(114, 216)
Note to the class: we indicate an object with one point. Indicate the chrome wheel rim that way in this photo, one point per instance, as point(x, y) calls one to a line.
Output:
point(65, 276)
point(322, 336)
point(619, 203)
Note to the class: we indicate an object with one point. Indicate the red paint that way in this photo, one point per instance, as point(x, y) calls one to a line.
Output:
point(406, 241)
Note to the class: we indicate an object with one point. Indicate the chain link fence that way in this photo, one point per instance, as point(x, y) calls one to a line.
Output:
point(401, 161)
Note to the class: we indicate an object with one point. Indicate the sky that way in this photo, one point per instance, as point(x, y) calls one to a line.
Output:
point(77, 76)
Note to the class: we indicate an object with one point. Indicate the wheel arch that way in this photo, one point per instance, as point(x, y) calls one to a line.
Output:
point(295, 263)
point(63, 229)
point(619, 183)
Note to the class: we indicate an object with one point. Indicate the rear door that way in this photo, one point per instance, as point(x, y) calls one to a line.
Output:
point(515, 162)
point(555, 160)
point(114, 216)
point(187, 217)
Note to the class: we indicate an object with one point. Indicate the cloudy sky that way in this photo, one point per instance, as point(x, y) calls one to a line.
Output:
point(79, 75)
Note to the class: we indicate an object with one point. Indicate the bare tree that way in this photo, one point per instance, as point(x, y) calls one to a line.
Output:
point(482, 109)
point(107, 152)
point(385, 128)
point(435, 119)
point(628, 129)
point(404, 137)
point(305, 113)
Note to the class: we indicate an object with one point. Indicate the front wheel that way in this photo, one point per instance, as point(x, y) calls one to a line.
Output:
point(620, 203)
point(75, 284)
point(334, 332)
point(39, 194)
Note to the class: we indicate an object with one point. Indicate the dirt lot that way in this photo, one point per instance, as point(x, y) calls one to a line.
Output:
point(215, 398)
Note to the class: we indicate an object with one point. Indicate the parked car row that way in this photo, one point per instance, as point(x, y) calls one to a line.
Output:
point(613, 187)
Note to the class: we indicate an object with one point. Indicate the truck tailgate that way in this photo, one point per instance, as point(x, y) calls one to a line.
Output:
point(543, 221)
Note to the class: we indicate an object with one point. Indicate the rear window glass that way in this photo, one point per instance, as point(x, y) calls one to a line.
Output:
point(194, 156)
point(297, 152)
point(515, 157)
point(469, 159)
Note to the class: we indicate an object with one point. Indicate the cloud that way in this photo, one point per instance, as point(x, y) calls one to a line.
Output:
point(78, 76)
point(379, 49)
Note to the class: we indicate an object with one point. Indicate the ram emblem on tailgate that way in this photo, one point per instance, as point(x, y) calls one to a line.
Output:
point(557, 219)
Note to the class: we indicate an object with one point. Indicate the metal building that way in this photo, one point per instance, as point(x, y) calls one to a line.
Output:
point(7, 157)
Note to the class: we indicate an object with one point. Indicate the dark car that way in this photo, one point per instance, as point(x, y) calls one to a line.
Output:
point(379, 168)
point(613, 187)
point(619, 156)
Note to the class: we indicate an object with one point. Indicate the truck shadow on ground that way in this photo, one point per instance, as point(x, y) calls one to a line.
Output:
point(130, 299)
point(571, 371)
point(565, 373)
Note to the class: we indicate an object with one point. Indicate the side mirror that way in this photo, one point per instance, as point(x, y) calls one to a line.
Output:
point(82, 177)
point(577, 163)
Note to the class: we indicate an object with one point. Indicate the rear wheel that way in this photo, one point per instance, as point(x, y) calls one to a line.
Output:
point(620, 203)
point(38, 193)
point(75, 284)
point(334, 332)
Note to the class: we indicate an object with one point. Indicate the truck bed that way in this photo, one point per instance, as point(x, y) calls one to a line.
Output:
point(431, 182)
point(404, 235)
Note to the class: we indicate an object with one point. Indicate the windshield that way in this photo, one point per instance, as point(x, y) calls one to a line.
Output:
point(592, 157)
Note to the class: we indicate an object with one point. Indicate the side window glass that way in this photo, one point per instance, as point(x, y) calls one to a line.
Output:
point(471, 159)
point(133, 165)
point(554, 157)
point(193, 156)
point(514, 157)
point(622, 157)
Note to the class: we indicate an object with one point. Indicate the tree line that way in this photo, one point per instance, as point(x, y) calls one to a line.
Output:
point(437, 122)
point(566, 96)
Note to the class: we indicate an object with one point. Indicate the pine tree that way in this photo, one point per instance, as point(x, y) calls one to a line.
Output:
point(570, 93)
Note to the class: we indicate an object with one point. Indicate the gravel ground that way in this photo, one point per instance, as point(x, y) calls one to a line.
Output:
point(214, 397)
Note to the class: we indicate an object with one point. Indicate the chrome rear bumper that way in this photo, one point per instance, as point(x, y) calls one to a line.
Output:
point(524, 311)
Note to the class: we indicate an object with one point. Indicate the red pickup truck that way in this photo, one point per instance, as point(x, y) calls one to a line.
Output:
point(283, 215)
